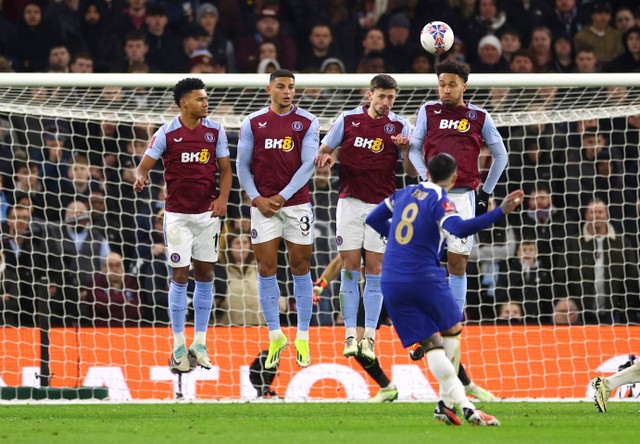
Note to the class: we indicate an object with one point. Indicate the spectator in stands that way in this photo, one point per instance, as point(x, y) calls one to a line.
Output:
point(490, 56)
point(522, 17)
point(566, 312)
point(78, 185)
point(155, 275)
point(510, 313)
point(203, 62)
point(510, 41)
point(132, 18)
point(66, 19)
point(629, 61)
point(605, 40)
point(373, 41)
point(195, 37)
point(527, 283)
point(32, 254)
point(4, 199)
point(59, 56)
point(563, 59)
point(135, 49)
point(33, 40)
point(219, 45)
point(56, 157)
point(586, 60)
point(319, 50)
point(624, 19)
point(241, 303)
point(267, 66)
point(565, 19)
point(7, 32)
point(28, 182)
point(603, 270)
point(164, 45)
point(268, 28)
point(540, 48)
point(373, 63)
point(398, 48)
point(104, 45)
point(422, 63)
point(521, 62)
point(487, 20)
point(82, 62)
point(333, 66)
point(533, 162)
point(346, 32)
point(115, 295)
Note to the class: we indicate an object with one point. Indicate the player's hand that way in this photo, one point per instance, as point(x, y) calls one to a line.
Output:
point(218, 208)
point(266, 205)
point(512, 201)
point(318, 287)
point(401, 142)
point(280, 200)
point(325, 159)
point(482, 202)
point(140, 181)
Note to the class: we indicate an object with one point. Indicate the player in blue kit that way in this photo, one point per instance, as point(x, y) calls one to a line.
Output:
point(417, 295)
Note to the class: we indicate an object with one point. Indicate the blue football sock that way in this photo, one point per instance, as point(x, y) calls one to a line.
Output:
point(349, 296)
point(372, 299)
point(178, 306)
point(269, 292)
point(303, 291)
point(202, 302)
point(458, 286)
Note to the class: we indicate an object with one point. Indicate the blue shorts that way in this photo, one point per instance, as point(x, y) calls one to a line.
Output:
point(418, 309)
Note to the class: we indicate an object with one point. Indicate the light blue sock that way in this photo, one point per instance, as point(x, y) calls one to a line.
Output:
point(372, 299)
point(178, 306)
point(303, 291)
point(458, 286)
point(349, 296)
point(269, 296)
point(202, 302)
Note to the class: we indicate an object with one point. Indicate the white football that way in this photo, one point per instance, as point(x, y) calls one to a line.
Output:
point(436, 37)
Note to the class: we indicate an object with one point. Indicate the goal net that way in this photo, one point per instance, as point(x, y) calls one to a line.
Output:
point(553, 291)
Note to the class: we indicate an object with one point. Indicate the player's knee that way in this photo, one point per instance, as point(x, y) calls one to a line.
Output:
point(432, 342)
point(180, 275)
point(457, 264)
point(267, 267)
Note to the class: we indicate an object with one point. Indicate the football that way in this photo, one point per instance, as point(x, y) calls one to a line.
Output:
point(436, 37)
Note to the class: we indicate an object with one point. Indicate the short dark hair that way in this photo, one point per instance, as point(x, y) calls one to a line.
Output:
point(384, 81)
point(451, 66)
point(185, 86)
point(281, 73)
point(441, 167)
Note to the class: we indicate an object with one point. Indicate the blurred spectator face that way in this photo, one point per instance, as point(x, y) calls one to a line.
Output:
point(510, 43)
point(565, 312)
point(268, 27)
point(332, 68)
point(592, 145)
point(398, 35)
point(489, 54)
point(633, 43)
point(240, 248)
point(190, 44)
point(320, 37)
point(421, 65)
point(80, 172)
point(96, 202)
point(374, 65)
point(113, 267)
point(268, 50)
point(156, 23)
point(522, 64)
point(527, 252)
point(487, 10)
point(92, 15)
point(208, 21)
point(586, 62)
point(18, 220)
point(77, 215)
point(374, 41)
point(562, 47)
point(510, 310)
point(564, 6)
point(540, 41)
point(82, 65)
point(539, 200)
point(597, 214)
point(59, 55)
point(137, 5)
point(136, 50)
point(32, 15)
point(624, 20)
point(600, 19)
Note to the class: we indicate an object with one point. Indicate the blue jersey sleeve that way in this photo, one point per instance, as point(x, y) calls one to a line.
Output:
point(243, 160)
point(415, 143)
point(158, 144)
point(308, 155)
point(464, 228)
point(222, 147)
point(334, 136)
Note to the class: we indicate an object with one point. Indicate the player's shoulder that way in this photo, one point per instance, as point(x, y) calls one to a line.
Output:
point(476, 108)
point(304, 113)
point(172, 125)
point(358, 111)
point(396, 118)
point(258, 113)
point(432, 103)
point(436, 190)
point(210, 123)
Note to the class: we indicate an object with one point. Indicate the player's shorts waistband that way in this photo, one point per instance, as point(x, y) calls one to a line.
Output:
point(460, 190)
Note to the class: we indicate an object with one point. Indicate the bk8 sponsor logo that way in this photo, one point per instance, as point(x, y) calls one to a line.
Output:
point(197, 157)
point(375, 145)
point(285, 144)
point(461, 126)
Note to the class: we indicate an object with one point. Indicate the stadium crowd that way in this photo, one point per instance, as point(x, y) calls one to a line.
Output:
point(79, 244)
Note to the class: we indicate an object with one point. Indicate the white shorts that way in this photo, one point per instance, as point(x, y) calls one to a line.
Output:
point(352, 233)
point(466, 205)
point(294, 224)
point(191, 236)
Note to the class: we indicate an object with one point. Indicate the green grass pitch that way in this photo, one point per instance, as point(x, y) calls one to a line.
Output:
point(343, 423)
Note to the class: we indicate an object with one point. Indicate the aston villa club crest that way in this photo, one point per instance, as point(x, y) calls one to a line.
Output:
point(254, 233)
point(209, 137)
point(339, 240)
point(472, 115)
point(390, 128)
point(297, 125)
point(175, 257)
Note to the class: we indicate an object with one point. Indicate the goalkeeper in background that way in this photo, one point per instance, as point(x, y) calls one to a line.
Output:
point(417, 296)
point(388, 391)
point(193, 149)
point(458, 128)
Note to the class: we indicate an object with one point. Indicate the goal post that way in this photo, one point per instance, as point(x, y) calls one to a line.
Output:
point(70, 142)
